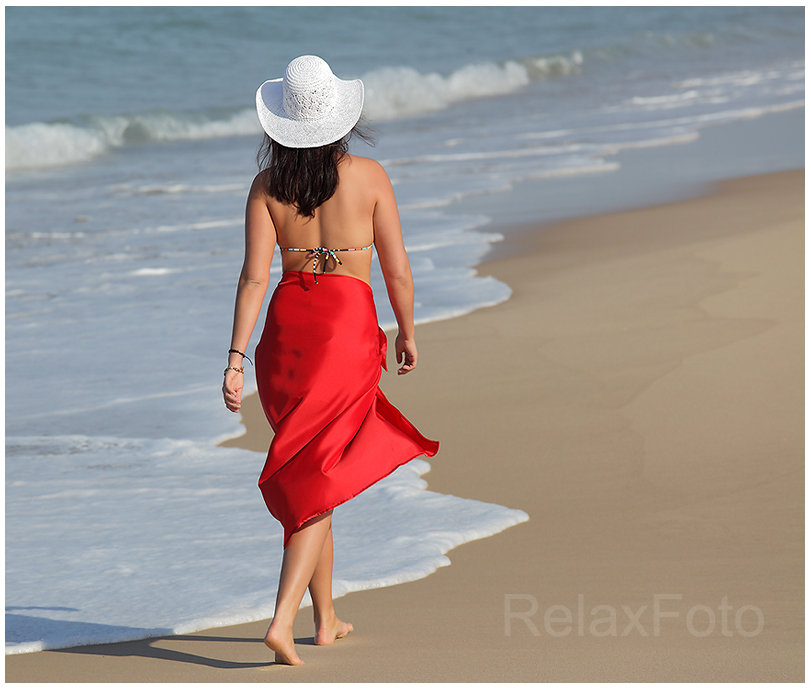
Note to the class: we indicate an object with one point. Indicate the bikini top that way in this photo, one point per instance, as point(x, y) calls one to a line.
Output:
point(320, 251)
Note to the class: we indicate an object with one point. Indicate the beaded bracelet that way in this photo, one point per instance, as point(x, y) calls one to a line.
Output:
point(234, 368)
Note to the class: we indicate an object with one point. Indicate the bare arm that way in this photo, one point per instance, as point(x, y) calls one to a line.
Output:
point(260, 241)
point(396, 270)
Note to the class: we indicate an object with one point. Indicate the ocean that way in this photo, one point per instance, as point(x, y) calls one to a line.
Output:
point(124, 204)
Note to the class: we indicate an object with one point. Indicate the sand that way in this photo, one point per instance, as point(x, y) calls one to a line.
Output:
point(641, 397)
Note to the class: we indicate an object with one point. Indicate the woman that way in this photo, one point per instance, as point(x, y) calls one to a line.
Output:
point(318, 361)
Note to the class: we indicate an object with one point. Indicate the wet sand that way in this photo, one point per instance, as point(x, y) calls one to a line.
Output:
point(641, 397)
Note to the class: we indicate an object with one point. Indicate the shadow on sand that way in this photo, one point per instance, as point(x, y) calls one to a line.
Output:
point(24, 628)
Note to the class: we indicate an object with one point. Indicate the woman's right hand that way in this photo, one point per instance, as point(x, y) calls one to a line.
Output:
point(406, 349)
point(232, 390)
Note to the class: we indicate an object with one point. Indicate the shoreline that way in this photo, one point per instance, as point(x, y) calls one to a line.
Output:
point(760, 145)
point(520, 238)
point(561, 402)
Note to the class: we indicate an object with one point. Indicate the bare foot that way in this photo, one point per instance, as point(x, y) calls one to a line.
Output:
point(326, 633)
point(283, 646)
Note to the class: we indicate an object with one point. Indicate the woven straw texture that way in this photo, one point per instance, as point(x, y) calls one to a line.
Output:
point(309, 106)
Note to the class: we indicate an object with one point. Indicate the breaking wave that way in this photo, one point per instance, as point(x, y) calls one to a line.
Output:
point(391, 93)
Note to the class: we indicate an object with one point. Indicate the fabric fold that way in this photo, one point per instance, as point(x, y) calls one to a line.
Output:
point(318, 368)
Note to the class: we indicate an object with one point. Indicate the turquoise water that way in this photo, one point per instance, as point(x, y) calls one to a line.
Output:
point(90, 61)
point(130, 142)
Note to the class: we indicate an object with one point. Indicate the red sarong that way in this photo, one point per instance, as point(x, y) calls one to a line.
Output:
point(318, 365)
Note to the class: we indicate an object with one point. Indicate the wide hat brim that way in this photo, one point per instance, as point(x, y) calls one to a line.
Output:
point(309, 133)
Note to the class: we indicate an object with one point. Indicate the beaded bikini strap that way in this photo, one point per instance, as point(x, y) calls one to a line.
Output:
point(320, 251)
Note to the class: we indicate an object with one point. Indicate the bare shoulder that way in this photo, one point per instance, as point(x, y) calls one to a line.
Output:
point(259, 187)
point(368, 170)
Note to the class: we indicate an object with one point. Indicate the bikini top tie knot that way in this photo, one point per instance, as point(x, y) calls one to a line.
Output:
point(327, 253)
point(317, 253)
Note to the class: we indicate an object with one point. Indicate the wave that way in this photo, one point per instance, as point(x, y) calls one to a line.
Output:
point(113, 500)
point(46, 145)
point(391, 93)
point(397, 92)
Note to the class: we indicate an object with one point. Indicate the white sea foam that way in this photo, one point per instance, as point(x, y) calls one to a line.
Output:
point(796, 71)
point(153, 271)
point(485, 155)
point(398, 92)
point(136, 255)
point(39, 145)
point(391, 93)
point(670, 99)
point(150, 189)
point(120, 510)
point(44, 145)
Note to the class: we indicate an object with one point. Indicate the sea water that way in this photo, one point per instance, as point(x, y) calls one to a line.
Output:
point(130, 144)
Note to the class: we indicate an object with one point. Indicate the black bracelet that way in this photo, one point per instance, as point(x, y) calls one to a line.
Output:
point(236, 351)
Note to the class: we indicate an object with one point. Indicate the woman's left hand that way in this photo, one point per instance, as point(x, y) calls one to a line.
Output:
point(406, 352)
point(232, 390)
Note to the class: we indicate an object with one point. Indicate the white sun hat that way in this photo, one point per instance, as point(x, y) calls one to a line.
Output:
point(309, 106)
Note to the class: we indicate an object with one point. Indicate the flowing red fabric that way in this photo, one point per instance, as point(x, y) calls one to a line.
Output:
point(318, 365)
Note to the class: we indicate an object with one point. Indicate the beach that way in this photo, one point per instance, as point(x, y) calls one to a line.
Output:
point(124, 222)
point(640, 396)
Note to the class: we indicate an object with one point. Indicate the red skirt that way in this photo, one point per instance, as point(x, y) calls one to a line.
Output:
point(317, 369)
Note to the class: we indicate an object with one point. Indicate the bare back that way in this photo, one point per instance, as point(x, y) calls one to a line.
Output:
point(362, 211)
point(345, 221)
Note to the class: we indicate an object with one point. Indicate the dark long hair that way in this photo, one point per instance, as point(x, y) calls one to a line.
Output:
point(304, 177)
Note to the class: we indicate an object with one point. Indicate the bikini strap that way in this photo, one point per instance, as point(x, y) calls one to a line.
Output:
point(320, 251)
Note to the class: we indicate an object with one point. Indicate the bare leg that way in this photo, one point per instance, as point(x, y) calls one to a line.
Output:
point(327, 625)
point(301, 555)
